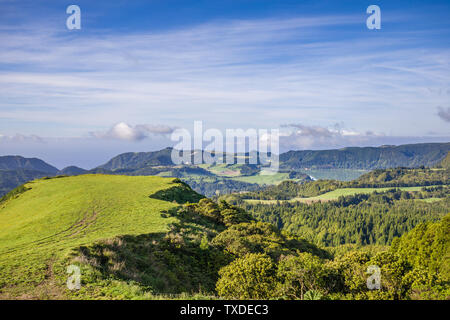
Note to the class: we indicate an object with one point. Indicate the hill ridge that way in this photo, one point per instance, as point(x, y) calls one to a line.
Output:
point(18, 162)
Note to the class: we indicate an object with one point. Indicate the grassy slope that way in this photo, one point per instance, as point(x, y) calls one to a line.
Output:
point(233, 172)
point(40, 227)
point(222, 170)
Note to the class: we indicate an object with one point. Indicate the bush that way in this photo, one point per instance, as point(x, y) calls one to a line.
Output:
point(249, 277)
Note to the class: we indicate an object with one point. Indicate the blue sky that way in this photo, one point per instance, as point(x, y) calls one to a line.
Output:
point(139, 69)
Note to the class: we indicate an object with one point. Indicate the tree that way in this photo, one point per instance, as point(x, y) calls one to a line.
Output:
point(249, 277)
point(393, 270)
point(352, 267)
point(299, 274)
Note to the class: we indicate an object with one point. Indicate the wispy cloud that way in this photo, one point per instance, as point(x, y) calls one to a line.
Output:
point(444, 114)
point(17, 138)
point(300, 137)
point(267, 71)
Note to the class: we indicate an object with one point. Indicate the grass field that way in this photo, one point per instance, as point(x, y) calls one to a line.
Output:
point(264, 179)
point(233, 172)
point(222, 170)
point(430, 200)
point(40, 227)
point(334, 195)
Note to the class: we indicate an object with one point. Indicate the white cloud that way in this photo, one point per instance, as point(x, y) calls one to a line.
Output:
point(124, 131)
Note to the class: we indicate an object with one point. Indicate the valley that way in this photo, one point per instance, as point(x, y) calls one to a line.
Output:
point(141, 232)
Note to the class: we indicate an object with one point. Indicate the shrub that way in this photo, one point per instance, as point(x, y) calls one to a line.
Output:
point(249, 277)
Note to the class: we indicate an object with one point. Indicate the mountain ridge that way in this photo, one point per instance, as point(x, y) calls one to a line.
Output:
point(10, 162)
point(228, 178)
point(368, 158)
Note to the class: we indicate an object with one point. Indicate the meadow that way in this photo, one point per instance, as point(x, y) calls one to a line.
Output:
point(42, 226)
point(264, 179)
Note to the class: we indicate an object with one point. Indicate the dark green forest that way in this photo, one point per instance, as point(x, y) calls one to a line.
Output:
point(361, 219)
point(222, 249)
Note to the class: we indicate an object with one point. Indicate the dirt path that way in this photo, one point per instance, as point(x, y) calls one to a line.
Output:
point(83, 224)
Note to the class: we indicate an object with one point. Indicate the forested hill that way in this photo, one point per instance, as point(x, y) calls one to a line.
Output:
point(18, 162)
point(374, 209)
point(413, 155)
point(368, 158)
point(137, 160)
point(445, 163)
point(10, 179)
point(362, 219)
point(16, 170)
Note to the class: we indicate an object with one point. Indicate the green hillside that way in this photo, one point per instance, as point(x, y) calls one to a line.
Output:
point(147, 237)
point(41, 226)
point(73, 171)
point(367, 158)
point(136, 160)
point(445, 163)
point(131, 237)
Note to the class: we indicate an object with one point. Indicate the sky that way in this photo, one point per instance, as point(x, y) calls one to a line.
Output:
point(138, 70)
